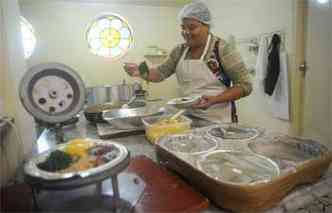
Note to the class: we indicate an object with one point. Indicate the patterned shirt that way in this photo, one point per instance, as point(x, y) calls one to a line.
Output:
point(230, 59)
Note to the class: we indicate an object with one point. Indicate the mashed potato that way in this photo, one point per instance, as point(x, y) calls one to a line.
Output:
point(166, 127)
point(78, 147)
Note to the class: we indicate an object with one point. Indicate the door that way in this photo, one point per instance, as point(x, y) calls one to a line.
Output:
point(317, 95)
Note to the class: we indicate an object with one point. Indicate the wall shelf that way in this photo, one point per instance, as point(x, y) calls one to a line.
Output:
point(156, 58)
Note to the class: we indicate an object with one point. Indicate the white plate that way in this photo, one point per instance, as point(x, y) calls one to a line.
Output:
point(184, 102)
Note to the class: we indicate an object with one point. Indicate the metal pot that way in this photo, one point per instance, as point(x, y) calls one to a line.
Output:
point(117, 94)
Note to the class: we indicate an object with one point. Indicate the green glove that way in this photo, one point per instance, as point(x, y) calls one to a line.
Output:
point(143, 70)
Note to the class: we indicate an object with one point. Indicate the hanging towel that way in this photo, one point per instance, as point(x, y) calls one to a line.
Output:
point(280, 97)
point(273, 65)
point(261, 64)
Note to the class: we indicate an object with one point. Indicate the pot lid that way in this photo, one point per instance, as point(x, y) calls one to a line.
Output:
point(52, 92)
point(237, 167)
point(233, 132)
point(189, 144)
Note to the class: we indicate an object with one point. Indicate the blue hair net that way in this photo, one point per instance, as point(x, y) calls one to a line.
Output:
point(196, 10)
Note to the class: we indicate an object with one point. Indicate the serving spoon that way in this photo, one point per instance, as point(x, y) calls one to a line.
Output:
point(178, 114)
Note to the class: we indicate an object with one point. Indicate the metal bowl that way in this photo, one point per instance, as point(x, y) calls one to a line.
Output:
point(120, 93)
point(32, 169)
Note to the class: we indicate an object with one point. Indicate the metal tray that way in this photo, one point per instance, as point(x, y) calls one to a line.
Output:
point(31, 168)
point(130, 118)
point(289, 162)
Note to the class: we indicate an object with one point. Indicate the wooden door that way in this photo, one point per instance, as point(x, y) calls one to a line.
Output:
point(317, 113)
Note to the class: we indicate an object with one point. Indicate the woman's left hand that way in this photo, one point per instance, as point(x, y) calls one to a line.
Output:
point(205, 102)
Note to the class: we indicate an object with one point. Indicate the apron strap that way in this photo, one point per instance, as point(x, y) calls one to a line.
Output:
point(226, 80)
point(206, 47)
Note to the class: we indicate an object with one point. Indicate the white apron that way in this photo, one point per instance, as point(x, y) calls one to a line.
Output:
point(195, 78)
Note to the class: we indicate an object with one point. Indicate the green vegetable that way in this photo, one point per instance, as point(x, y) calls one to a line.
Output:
point(56, 161)
point(143, 69)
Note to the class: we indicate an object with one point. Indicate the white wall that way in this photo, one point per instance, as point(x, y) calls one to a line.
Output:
point(2, 70)
point(61, 26)
point(12, 70)
point(245, 19)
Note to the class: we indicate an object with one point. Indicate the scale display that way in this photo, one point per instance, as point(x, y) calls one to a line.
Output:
point(52, 92)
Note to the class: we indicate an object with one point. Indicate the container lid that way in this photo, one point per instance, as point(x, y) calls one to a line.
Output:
point(189, 144)
point(233, 132)
point(237, 167)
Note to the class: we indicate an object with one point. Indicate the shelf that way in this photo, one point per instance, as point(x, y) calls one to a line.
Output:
point(156, 56)
point(156, 59)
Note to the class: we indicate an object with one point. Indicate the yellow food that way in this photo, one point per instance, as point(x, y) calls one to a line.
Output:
point(82, 164)
point(166, 127)
point(78, 147)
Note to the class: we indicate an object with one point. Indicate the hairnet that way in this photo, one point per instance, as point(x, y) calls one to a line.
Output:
point(196, 10)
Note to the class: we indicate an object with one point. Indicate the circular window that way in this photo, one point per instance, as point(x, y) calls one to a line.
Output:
point(110, 36)
point(28, 37)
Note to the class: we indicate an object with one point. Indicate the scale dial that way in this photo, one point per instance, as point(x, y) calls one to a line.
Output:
point(52, 92)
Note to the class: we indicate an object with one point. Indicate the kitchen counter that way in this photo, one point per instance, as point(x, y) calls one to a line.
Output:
point(309, 198)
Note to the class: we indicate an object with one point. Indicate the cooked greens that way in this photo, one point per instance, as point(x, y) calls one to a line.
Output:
point(56, 161)
point(143, 69)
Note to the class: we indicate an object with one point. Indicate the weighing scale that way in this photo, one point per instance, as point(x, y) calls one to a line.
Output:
point(53, 94)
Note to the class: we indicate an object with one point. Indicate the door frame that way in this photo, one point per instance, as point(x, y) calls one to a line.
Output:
point(298, 81)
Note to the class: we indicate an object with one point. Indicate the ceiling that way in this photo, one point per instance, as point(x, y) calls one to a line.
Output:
point(166, 3)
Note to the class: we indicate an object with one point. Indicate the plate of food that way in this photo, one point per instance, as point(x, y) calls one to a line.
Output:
point(78, 157)
point(184, 102)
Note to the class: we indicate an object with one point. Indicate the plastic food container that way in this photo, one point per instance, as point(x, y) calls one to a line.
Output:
point(159, 126)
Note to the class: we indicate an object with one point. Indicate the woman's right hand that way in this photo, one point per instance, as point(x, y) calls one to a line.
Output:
point(131, 69)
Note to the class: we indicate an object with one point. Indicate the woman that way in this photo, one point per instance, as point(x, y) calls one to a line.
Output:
point(197, 68)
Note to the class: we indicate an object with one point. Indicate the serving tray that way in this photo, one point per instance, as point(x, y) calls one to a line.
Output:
point(298, 160)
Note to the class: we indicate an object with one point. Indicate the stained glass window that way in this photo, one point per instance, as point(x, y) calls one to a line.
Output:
point(110, 36)
point(28, 37)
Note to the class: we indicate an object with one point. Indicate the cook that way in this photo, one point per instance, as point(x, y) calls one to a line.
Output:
point(204, 65)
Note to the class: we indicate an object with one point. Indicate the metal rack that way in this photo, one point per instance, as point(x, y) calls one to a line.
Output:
point(253, 42)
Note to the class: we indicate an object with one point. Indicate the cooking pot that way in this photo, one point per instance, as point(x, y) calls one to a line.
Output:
point(116, 94)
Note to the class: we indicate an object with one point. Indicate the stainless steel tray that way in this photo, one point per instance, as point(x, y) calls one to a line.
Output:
point(130, 118)
point(276, 165)
point(31, 168)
